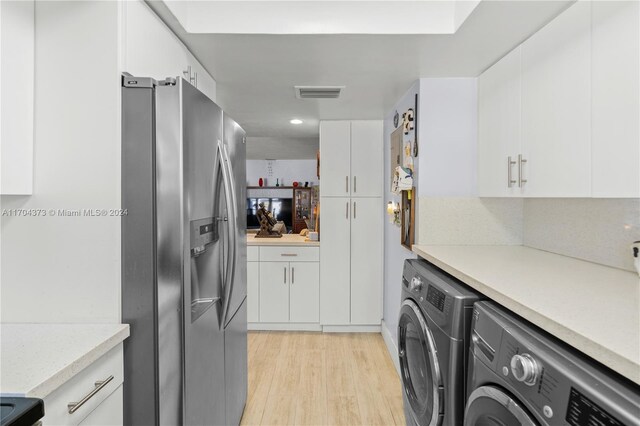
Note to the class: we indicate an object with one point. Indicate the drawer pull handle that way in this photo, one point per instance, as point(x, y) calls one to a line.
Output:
point(289, 254)
point(75, 406)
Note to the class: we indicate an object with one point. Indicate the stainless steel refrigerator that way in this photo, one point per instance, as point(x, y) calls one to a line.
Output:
point(183, 256)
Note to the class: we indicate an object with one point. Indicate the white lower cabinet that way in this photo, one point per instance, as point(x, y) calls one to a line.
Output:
point(103, 379)
point(304, 292)
point(283, 286)
point(274, 292)
point(108, 413)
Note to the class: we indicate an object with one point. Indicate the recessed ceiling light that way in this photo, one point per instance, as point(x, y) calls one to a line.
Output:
point(296, 121)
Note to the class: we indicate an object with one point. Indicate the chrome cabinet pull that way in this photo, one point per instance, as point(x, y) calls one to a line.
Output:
point(521, 162)
point(510, 180)
point(75, 406)
point(346, 216)
point(293, 275)
point(354, 184)
point(285, 275)
point(354, 209)
point(346, 180)
point(288, 254)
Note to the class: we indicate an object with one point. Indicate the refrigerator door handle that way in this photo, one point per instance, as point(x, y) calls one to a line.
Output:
point(229, 190)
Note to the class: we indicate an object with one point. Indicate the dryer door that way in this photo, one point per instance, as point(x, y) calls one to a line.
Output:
point(490, 406)
point(419, 368)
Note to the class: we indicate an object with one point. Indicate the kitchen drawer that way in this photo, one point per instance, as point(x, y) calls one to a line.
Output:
point(289, 254)
point(81, 385)
point(253, 254)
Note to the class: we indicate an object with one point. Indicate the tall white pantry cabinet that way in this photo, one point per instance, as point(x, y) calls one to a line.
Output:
point(351, 223)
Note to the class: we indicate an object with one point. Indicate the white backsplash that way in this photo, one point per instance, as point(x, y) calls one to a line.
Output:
point(470, 221)
point(599, 230)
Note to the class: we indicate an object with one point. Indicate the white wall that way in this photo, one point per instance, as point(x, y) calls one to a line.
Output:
point(448, 114)
point(445, 170)
point(394, 253)
point(597, 230)
point(289, 170)
point(67, 269)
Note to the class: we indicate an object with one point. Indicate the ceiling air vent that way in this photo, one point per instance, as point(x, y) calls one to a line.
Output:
point(318, 92)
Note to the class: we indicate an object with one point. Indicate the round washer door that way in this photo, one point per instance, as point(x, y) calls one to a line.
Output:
point(419, 367)
point(490, 406)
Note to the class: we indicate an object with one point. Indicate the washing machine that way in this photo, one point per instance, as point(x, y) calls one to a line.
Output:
point(520, 375)
point(433, 338)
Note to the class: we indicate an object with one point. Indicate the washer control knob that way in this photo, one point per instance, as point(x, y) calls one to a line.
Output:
point(525, 369)
point(416, 284)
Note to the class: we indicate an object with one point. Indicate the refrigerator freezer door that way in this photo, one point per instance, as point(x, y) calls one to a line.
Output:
point(202, 252)
point(235, 147)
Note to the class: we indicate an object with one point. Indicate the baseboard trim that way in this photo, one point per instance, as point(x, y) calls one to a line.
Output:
point(351, 328)
point(391, 346)
point(286, 326)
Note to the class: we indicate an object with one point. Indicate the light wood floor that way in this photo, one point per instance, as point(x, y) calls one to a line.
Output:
point(305, 378)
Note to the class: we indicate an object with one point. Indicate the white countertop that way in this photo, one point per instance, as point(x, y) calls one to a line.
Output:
point(594, 308)
point(286, 240)
point(36, 359)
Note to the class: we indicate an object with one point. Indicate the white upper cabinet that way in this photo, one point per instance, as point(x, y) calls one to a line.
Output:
point(351, 158)
point(335, 171)
point(568, 114)
point(152, 50)
point(17, 35)
point(556, 107)
point(366, 158)
point(499, 127)
point(615, 99)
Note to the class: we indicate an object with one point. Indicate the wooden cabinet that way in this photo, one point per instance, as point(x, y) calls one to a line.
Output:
point(17, 37)
point(556, 106)
point(351, 256)
point(565, 106)
point(615, 85)
point(285, 288)
point(351, 158)
point(301, 208)
point(499, 127)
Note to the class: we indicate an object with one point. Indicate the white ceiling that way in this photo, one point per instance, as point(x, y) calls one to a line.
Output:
point(256, 73)
point(321, 16)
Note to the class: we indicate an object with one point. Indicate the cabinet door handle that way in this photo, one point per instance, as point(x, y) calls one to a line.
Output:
point(288, 254)
point(293, 275)
point(75, 406)
point(354, 209)
point(285, 275)
point(346, 180)
point(521, 162)
point(354, 184)
point(346, 216)
point(510, 180)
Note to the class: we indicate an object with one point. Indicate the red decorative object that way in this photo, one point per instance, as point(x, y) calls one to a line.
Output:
point(295, 184)
point(260, 182)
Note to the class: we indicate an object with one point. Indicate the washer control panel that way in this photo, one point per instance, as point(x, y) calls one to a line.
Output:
point(525, 369)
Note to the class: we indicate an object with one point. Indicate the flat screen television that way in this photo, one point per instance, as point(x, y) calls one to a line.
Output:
point(281, 208)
